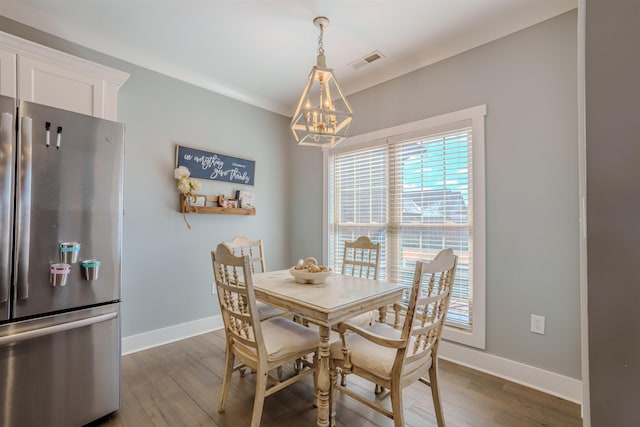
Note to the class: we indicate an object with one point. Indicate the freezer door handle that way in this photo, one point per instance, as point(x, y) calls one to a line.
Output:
point(50, 330)
point(7, 158)
point(23, 208)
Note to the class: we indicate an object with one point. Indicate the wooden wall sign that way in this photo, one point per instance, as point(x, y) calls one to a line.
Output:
point(217, 167)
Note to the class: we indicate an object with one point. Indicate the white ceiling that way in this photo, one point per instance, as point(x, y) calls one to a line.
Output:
point(261, 51)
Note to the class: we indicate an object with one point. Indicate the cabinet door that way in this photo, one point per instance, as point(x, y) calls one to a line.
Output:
point(55, 86)
point(7, 73)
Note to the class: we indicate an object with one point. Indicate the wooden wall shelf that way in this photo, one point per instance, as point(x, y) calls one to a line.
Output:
point(215, 210)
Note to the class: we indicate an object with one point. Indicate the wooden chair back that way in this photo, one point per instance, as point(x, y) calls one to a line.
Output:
point(361, 258)
point(237, 300)
point(242, 245)
point(426, 313)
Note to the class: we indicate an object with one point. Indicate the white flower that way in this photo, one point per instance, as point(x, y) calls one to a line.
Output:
point(195, 185)
point(181, 172)
point(184, 185)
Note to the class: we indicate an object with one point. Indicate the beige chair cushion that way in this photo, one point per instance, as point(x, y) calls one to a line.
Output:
point(365, 320)
point(266, 311)
point(283, 338)
point(375, 358)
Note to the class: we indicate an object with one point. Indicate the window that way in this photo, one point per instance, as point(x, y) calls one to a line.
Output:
point(416, 189)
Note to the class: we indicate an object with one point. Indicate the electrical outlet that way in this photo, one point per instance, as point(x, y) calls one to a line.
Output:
point(537, 324)
point(215, 291)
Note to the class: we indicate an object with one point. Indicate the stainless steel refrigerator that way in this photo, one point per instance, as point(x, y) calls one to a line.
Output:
point(61, 182)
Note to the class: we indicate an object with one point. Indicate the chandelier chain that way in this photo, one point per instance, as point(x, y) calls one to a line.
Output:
point(320, 41)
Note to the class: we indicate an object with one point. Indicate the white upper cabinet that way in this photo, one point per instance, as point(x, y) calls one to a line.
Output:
point(7, 73)
point(50, 77)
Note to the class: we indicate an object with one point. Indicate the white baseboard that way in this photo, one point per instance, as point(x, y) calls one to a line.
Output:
point(169, 334)
point(530, 376)
point(548, 382)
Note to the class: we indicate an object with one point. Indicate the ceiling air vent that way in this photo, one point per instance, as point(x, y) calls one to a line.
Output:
point(366, 60)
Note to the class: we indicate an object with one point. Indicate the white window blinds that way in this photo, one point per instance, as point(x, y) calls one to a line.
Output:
point(414, 196)
point(359, 202)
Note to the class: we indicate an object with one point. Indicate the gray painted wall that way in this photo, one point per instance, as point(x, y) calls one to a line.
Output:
point(613, 206)
point(529, 82)
point(166, 267)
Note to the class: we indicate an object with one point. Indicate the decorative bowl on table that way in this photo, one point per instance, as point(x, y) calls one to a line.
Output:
point(305, 277)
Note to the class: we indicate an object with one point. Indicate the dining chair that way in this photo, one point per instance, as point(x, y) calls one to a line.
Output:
point(242, 245)
point(262, 345)
point(361, 258)
point(395, 356)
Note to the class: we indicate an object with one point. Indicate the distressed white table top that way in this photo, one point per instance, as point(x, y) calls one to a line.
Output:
point(339, 298)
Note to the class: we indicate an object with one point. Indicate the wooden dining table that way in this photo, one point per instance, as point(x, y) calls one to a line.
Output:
point(339, 298)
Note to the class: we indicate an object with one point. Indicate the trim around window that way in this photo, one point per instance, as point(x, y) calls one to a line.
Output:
point(476, 337)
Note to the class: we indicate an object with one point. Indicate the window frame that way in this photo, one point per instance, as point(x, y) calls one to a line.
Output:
point(476, 115)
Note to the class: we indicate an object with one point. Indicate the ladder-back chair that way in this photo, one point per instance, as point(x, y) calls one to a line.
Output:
point(361, 258)
point(261, 345)
point(395, 357)
point(242, 245)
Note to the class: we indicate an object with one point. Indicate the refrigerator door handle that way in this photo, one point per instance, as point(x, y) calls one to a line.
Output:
point(50, 330)
point(6, 155)
point(23, 208)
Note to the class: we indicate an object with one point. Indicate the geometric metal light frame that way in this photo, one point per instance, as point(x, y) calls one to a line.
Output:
point(323, 115)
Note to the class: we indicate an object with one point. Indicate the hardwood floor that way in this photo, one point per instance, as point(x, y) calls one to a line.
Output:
point(178, 385)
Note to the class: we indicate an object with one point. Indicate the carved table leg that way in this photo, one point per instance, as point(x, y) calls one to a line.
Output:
point(383, 314)
point(333, 375)
point(323, 378)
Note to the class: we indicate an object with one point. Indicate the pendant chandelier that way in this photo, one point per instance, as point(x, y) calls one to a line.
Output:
point(323, 116)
